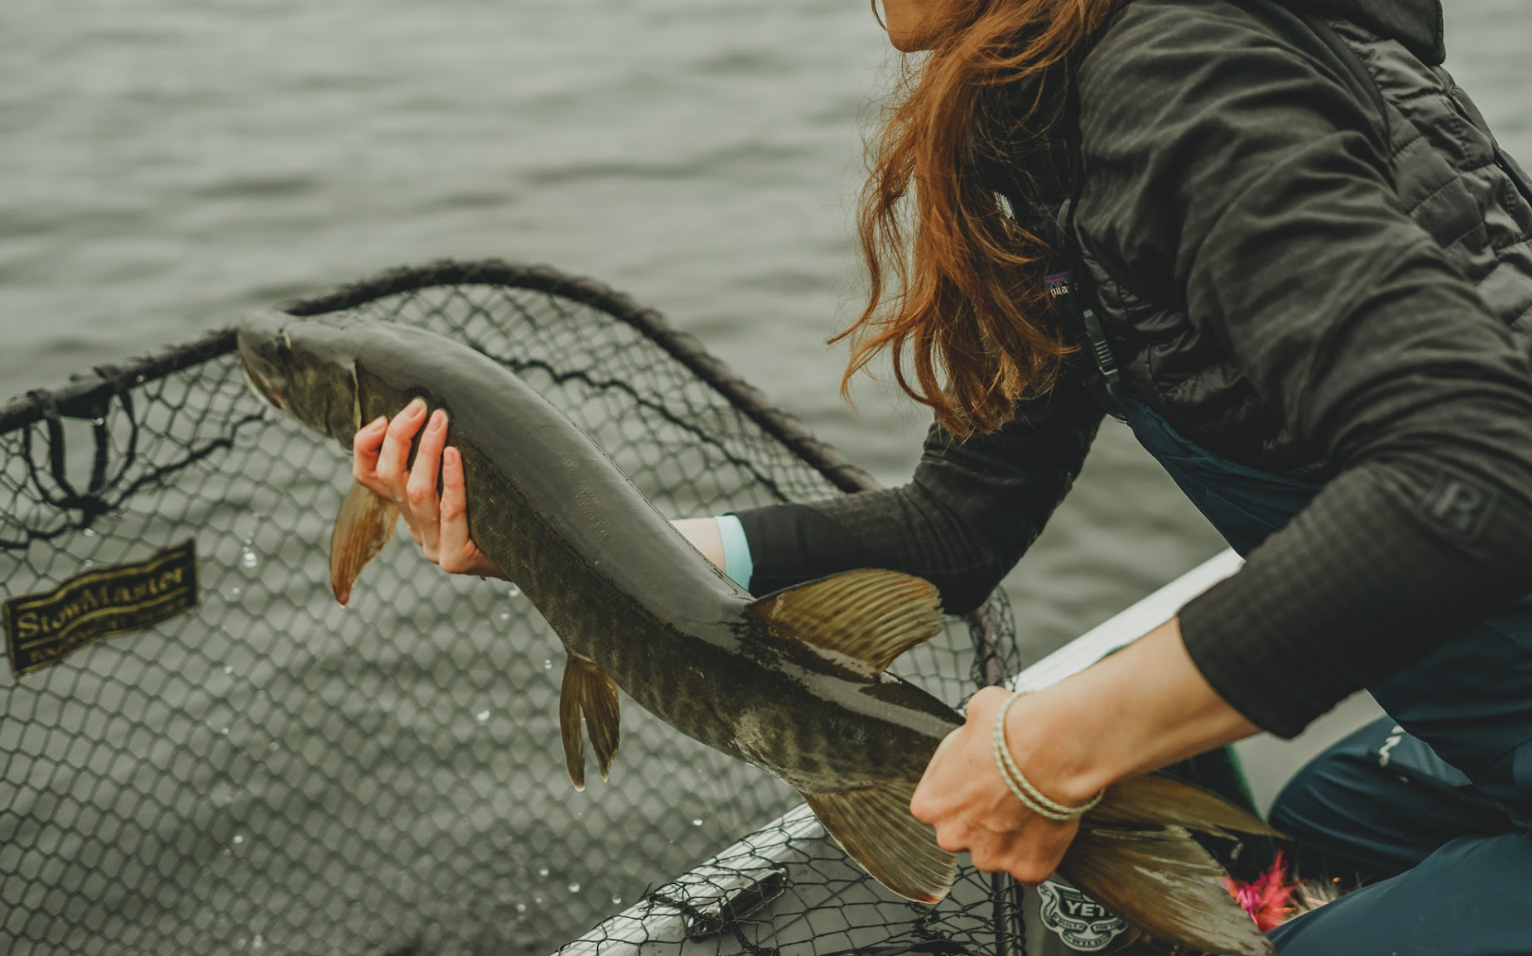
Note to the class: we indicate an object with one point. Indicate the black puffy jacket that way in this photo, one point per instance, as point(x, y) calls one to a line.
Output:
point(1311, 257)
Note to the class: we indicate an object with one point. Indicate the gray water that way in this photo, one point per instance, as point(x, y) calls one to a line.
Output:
point(169, 164)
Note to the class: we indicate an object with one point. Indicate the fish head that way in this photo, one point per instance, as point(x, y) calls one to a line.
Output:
point(304, 367)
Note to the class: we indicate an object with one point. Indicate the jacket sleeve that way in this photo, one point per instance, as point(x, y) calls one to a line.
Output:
point(971, 510)
point(1233, 168)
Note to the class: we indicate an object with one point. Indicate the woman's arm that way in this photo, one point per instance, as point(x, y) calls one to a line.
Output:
point(1141, 708)
point(969, 513)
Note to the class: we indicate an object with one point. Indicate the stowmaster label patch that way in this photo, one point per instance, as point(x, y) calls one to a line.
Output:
point(43, 629)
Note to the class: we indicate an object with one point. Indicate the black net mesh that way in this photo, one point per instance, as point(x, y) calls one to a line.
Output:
point(272, 773)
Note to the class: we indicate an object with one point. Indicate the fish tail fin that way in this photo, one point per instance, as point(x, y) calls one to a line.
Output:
point(590, 694)
point(362, 528)
point(1164, 800)
point(875, 828)
point(1135, 855)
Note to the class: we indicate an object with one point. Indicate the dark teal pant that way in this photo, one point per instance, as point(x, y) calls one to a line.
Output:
point(1453, 868)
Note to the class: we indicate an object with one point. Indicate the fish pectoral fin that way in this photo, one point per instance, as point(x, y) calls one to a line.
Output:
point(1166, 801)
point(870, 615)
point(1165, 884)
point(875, 828)
point(590, 694)
point(362, 528)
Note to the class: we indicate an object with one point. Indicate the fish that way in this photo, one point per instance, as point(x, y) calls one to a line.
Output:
point(794, 683)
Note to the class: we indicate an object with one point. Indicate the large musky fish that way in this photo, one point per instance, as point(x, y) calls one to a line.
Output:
point(793, 682)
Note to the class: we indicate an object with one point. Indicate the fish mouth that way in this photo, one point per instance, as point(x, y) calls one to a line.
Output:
point(262, 390)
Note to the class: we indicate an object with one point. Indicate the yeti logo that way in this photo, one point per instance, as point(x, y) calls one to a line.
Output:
point(1081, 922)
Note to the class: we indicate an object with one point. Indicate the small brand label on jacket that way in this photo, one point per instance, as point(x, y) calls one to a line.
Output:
point(1460, 504)
point(1057, 283)
point(43, 629)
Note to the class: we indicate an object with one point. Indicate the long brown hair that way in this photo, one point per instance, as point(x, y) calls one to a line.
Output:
point(957, 285)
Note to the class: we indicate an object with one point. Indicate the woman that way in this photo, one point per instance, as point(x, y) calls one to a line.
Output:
point(1299, 267)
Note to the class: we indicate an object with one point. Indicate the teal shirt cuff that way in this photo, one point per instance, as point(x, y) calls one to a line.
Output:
point(736, 550)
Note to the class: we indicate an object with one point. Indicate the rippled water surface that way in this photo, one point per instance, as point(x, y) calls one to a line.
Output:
point(169, 164)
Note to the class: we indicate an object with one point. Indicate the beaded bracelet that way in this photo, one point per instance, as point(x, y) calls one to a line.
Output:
point(1020, 786)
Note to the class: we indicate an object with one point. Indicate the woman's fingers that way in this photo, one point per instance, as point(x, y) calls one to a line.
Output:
point(420, 488)
point(365, 445)
point(458, 553)
point(393, 458)
point(436, 519)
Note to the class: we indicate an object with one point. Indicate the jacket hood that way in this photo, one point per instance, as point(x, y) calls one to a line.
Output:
point(1415, 23)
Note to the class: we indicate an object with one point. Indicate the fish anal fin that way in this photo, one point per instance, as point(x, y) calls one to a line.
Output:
point(590, 694)
point(1165, 884)
point(875, 828)
point(868, 616)
point(362, 528)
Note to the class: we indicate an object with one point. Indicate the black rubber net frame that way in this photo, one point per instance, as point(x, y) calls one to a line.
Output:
point(272, 773)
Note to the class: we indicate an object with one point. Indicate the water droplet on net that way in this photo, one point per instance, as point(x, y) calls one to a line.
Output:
point(547, 665)
point(234, 591)
point(248, 559)
point(574, 887)
point(514, 592)
point(696, 823)
point(543, 872)
point(228, 668)
point(505, 616)
point(239, 838)
point(521, 907)
point(481, 716)
point(616, 901)
point(257, 943)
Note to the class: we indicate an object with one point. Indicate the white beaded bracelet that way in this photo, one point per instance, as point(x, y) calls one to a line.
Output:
point(1020, 786)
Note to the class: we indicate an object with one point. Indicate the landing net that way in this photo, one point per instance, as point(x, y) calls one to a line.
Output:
point(270, 773)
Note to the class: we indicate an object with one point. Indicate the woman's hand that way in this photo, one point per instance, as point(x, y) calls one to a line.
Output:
point(1133, 711)
point(438, 523)
point(963, 796)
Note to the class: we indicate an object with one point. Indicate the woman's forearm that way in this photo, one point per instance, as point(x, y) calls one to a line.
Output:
point(1137, 710)
point(704, 535)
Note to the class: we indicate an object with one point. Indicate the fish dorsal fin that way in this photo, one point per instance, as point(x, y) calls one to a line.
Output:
point(875, 828)
point(589, 693)
point(362, 528)
point(869, 616)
